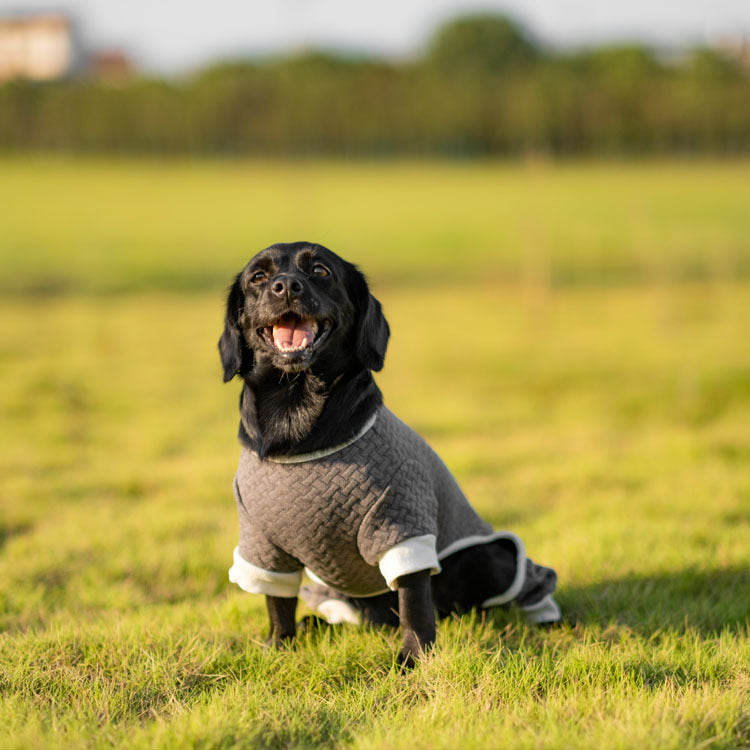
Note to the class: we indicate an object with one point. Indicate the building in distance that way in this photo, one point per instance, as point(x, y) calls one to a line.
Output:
point(36, 48)
point(43, 47)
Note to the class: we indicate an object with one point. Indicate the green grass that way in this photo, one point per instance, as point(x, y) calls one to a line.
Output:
point(607, 421)
point(181, 225)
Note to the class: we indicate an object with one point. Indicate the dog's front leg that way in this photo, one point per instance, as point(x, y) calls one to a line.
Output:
point(281, 613)
point(417, 616)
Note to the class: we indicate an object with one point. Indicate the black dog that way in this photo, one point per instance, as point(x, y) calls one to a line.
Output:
point(330, 480)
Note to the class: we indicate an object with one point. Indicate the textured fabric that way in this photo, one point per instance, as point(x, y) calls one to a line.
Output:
point(340, 514)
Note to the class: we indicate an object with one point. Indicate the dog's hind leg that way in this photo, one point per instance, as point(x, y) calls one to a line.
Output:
point(496, 573)
point(535, 599)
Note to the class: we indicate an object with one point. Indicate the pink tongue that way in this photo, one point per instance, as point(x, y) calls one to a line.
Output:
point(290, 331)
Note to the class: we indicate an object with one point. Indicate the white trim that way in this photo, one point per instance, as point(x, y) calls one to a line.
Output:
point(317, 579)
point(409, 556)
point(473, 541)
point(257, 580)
point(545, 610)
point(323, 452)
point(335, 611)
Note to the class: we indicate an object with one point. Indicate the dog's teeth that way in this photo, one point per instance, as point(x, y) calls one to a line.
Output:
point(314, 327)
point(290, 348)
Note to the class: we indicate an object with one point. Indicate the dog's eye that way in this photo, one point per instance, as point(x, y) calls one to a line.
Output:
point(258, 277)
point(320, 271)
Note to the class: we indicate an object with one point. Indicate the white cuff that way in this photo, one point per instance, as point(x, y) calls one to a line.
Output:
point(545, 610)
point(410, 556)
point(336, 611)
point(257, 580)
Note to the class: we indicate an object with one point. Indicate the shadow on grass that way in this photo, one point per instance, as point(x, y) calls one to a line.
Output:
point(703, 600)
point(9, 530)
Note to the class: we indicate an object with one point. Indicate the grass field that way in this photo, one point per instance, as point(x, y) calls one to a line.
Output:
point(572, 339)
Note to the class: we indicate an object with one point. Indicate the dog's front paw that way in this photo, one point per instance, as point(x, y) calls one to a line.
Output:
point(407, 659)
point(413, 649)
point(313, 625)
point(279, 641)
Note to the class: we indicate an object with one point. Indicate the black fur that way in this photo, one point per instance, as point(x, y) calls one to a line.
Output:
point(416, 615)
point(283, 627)
point(303, 401)
point(236, 356)
point(294, 404)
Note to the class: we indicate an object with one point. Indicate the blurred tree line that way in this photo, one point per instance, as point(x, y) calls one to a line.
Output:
point(482, 87)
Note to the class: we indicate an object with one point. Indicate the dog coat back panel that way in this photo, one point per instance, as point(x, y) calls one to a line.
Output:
point(339, 514)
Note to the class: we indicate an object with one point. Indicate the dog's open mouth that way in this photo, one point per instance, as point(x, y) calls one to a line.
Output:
point(292, 334)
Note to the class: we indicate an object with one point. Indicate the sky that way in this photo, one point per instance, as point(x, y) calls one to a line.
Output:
point(176, 36)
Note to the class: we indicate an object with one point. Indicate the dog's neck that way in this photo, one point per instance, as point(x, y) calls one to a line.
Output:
point(283, 414)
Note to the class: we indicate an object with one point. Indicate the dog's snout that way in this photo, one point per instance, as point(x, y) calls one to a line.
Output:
point(287, 286)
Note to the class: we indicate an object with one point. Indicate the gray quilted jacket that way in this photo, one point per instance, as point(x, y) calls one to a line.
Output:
point(356, 517)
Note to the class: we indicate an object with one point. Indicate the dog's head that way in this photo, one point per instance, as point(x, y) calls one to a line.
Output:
point(299, 306)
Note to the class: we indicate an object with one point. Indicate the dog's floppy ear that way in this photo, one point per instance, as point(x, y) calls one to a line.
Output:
point(235, 354)
point(371, 328)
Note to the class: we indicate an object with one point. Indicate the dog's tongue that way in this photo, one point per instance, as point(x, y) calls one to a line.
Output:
point(291, 331)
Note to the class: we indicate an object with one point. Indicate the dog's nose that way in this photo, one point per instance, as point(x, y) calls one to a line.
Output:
point(287, 286)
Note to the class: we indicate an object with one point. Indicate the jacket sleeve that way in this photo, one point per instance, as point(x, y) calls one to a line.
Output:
point(260, 566)
point(399, 531)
